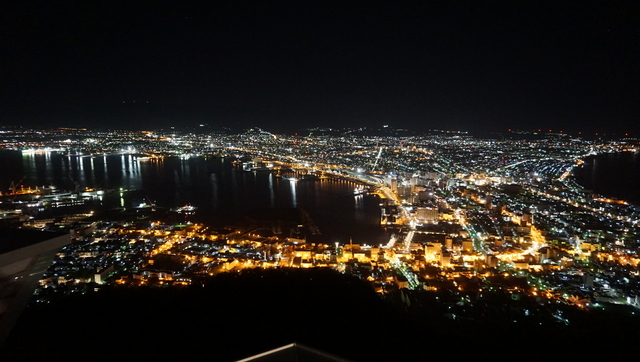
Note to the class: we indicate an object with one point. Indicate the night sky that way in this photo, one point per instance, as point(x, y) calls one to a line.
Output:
point(571, 66)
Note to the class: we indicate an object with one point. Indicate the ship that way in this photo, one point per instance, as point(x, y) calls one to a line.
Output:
point(187, 209)
point(360, 190)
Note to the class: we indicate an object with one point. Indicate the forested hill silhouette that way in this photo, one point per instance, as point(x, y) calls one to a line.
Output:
point(235, 315)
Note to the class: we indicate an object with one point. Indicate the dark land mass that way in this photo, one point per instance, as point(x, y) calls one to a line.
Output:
point(236, 315)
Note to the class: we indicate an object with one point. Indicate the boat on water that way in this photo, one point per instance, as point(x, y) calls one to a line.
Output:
point(299, 177)
point(360, 190)
point(15, 190)
point(187, 209)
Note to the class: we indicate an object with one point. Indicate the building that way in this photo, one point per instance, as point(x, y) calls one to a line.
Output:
point(424, 214)
point(24, 256)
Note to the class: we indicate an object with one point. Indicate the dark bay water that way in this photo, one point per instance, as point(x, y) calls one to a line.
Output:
point(221, 191)
point(614, 175)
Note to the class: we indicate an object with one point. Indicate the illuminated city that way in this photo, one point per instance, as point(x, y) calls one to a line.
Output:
point(348, 180)
point(469, 217)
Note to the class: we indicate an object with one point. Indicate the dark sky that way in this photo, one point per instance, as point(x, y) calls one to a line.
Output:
point(571, 66)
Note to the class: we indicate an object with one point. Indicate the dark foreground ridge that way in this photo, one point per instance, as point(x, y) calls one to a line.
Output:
point(236, 315)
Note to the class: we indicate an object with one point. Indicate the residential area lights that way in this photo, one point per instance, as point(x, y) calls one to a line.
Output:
point(467, 216)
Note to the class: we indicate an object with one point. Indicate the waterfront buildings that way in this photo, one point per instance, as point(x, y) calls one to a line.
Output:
point(471, 220)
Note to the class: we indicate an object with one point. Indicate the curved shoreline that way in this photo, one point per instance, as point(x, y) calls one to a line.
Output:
point(602, 184)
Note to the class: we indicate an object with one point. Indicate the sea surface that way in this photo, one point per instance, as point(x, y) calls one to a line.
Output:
point(221, 191)
point(614, 175)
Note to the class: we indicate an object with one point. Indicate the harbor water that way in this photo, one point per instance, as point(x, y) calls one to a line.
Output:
point(222, 192)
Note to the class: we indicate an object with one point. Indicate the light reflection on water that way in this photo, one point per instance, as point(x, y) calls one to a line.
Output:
point(215, 186)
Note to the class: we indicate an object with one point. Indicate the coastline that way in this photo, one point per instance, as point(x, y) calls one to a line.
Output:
point(610, 175)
